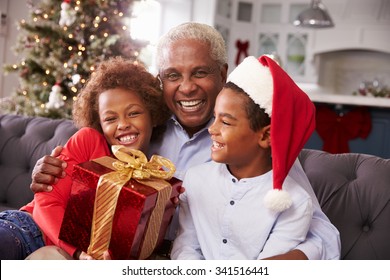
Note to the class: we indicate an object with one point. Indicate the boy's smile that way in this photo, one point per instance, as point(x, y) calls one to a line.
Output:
point(216, 146)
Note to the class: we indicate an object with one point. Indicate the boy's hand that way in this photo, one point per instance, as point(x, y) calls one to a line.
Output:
point(176, 200)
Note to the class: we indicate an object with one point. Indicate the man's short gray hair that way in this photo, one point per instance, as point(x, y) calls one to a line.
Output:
point(197, 31)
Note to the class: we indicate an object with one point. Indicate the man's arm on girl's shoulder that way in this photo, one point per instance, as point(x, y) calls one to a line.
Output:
point(47, 171)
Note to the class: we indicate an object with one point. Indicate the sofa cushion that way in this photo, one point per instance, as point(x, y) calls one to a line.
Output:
point(354, 192)
point(23, 140)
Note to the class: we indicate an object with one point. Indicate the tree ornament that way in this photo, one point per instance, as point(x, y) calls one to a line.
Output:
point(56, 100)
point(68, 15)
point(76, 79)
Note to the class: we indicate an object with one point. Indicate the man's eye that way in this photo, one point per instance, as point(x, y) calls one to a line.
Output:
point(172, 76)
point(200, 74)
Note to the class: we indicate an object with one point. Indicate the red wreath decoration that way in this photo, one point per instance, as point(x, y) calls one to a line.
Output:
point(242, 50)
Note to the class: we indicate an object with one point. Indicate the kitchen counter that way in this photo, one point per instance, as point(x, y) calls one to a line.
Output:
point(322, 95)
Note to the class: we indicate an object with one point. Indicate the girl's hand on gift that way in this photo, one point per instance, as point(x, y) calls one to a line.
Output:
point(106, 255)
point(85, 256)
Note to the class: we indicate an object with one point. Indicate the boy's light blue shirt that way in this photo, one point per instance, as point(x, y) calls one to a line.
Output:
point(323, 240)
point(222, 217)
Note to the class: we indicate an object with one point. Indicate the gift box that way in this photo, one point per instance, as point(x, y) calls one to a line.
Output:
point(142, 210)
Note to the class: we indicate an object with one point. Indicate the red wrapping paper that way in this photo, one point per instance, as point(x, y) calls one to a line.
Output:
point(135, 204)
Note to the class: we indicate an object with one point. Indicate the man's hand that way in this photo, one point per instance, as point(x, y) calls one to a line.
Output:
point(47, 171)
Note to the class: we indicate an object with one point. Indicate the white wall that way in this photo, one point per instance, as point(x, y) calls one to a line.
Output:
point(4, 10)
point(175, 12)
point(15, 10)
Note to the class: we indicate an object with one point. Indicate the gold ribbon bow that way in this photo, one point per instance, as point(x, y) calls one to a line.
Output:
point(132, 164)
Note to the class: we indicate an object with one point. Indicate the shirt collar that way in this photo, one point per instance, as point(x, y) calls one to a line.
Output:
point(173, 120)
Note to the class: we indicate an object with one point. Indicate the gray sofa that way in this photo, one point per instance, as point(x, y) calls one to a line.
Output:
point(23, 140)
point(353, 189)
point(354, 192)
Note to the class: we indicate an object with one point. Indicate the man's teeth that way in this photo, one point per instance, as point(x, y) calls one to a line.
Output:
point(127, 138)
point(191, 103)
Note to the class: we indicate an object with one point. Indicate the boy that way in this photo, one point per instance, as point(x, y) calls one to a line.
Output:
point(243, 204)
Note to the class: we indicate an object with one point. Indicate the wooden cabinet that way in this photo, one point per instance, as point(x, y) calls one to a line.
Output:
point(360, 24)
point(267, 27)
point(255, 28)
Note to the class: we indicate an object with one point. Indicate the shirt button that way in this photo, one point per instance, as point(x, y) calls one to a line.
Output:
point(233, 180)
point(232, 202)
point(224, 241)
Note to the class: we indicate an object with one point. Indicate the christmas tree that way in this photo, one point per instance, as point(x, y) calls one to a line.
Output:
point(62, 43)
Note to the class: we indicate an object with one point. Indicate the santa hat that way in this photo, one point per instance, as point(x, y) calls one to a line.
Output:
point(292, 117)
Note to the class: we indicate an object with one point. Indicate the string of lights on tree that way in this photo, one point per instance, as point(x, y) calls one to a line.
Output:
point(62, 43)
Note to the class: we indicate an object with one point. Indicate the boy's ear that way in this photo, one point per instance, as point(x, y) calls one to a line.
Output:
point(265, 137)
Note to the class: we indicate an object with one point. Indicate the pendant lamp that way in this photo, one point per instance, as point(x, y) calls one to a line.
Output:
point(315, 17)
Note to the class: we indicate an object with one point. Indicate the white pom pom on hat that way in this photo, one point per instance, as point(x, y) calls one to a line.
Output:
point(292, 117)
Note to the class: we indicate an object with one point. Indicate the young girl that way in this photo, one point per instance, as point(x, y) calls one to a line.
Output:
point(234, 207)
point(120, 105)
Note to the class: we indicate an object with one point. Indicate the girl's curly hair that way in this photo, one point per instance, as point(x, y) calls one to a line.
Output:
point(117, 72)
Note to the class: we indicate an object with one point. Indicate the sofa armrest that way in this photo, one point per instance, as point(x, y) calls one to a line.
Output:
point(354, 192)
